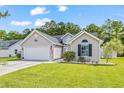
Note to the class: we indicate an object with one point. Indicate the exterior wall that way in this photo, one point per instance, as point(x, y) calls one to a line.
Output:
point(95, 47)
point(30, 42)
point(14, 47)
point(57, 52)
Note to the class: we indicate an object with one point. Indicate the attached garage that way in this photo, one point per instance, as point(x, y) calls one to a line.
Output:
point(39, 46)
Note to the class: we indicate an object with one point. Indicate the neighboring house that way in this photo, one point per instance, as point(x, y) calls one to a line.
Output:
point(40, 46)
point(9, 47)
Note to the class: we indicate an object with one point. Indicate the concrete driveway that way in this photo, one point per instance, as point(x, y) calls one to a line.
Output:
point(17, 65)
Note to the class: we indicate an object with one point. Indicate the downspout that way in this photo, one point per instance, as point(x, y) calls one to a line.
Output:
point(62, 52)
point(51, 53)
point(99, 51)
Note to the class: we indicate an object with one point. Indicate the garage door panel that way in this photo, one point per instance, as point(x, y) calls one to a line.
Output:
point(41, 53)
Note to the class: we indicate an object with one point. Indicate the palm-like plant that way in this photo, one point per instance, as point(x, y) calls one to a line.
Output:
point(5, 14)
point(113, 29)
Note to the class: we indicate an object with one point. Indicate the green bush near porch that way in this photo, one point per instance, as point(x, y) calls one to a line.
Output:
point(69, 55)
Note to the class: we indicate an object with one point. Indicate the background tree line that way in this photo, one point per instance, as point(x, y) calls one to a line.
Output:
point(109, 30)
point(52, 28)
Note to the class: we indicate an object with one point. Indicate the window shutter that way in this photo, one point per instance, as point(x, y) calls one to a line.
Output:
point(79, 50)
point(90, 49)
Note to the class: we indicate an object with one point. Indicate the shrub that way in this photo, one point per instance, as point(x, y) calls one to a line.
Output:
point(69, 55)
point(18, 55)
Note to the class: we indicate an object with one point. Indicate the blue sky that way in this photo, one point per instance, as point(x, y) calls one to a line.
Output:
point(33, 16)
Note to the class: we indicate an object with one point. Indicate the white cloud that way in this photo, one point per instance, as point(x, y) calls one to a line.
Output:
point(21, 23)
point(41, 22)
point(39, 10)
point(62, 8)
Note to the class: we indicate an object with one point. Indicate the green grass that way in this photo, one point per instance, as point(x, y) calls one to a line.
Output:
point(65, 75)
point(6, 59)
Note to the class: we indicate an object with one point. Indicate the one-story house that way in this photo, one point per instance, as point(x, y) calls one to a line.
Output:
point(9, 47)
point(40, 46)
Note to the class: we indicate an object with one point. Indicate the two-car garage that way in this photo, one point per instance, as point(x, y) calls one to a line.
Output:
point(39, 46)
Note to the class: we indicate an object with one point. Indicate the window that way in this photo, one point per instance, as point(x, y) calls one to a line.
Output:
point(84, 50)
point(35, 40)
point(15, 51)
point(84, 41)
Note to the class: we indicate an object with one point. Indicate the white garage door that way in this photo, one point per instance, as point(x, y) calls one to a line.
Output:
point(41, 53)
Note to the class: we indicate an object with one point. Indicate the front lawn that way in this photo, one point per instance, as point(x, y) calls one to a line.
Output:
point(6, 59)
point(65, 75)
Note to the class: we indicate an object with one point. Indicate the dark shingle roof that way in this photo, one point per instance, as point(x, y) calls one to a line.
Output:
point(53, 39)
point(58, 37)
point(7, 43)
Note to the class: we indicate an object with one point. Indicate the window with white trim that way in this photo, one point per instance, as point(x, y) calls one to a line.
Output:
point(84, 50)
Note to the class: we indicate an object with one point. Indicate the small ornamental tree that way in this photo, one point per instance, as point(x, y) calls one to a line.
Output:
point(113, 45)
point(69, 55)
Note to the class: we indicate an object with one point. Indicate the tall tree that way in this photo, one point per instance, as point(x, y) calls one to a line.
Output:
point(72, 28)
point(117, 29)
point(94, 29)
point(14, 35)
point(49, 28)
point(112, 29)
point(3, 34)
point(53, 28)
point(26, 32)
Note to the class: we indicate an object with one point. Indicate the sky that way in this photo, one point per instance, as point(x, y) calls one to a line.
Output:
point(27, 16)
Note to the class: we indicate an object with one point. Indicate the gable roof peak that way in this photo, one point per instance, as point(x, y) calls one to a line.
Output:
point(48, 37)
point(84, 32)
point(66, 35)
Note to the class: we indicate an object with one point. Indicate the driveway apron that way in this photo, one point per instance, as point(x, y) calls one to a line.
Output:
point(17, 65)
